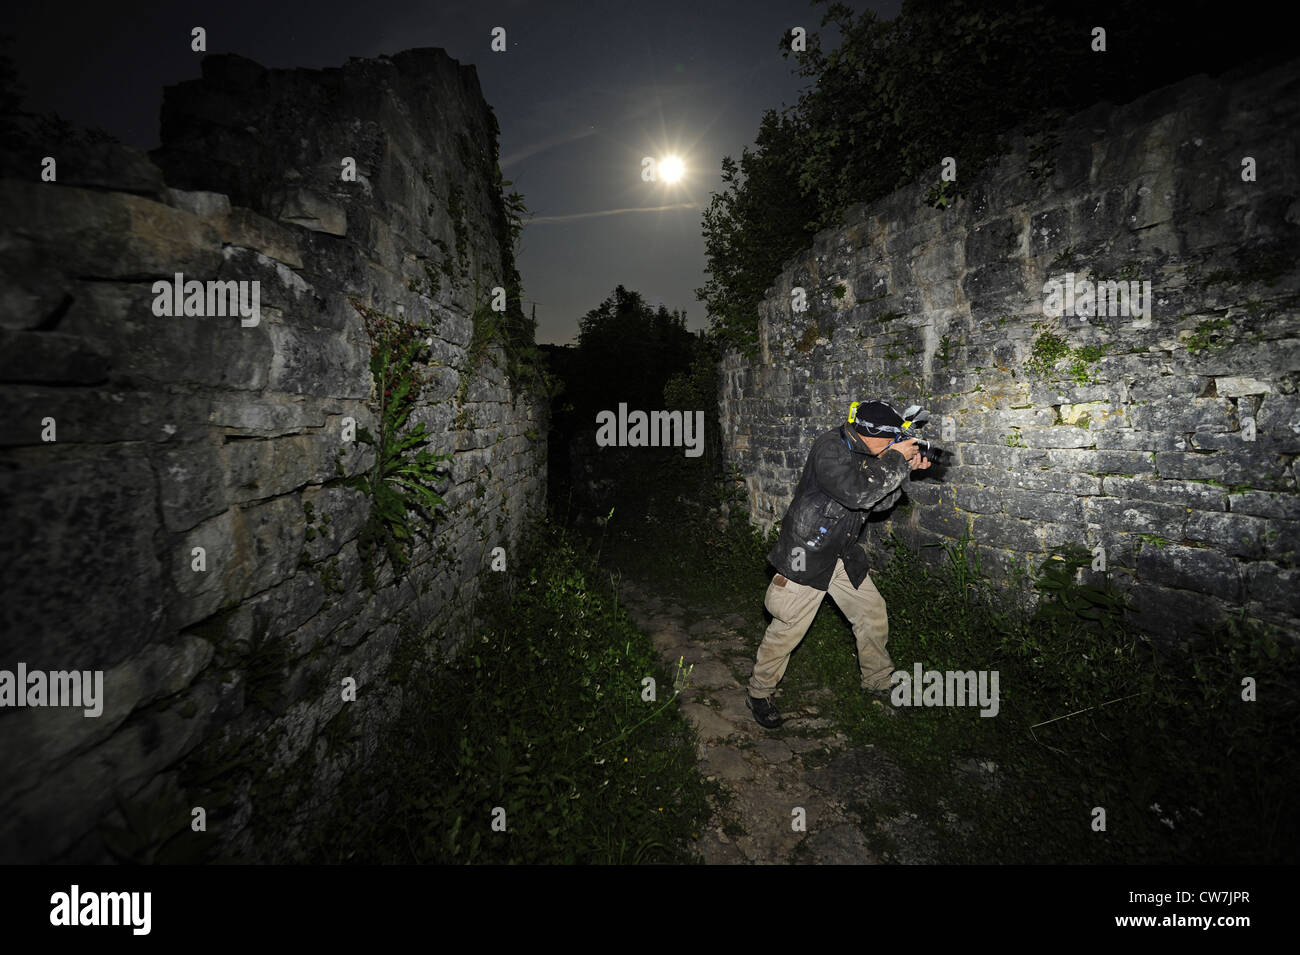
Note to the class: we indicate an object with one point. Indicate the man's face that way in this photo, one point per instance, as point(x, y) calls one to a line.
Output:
point(875, 445)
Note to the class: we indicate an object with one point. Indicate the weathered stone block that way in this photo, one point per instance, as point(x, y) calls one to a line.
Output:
point(1234, 387)
point(305, 361)
point(991, 242)
point(1278, 588)
point(244, 228)
point(45, 736)
point(1042, 505)
point(246, 550)
point(1185, 415)
point(1255, 468)
point(1030, 537)
point(1129, 440)
point(111, 235)
point(1137, 516)
point(1057, 481)
point(204, 204)
point(1101, 462)
point(78, 558)
point(1061, 437)
point(1264, 504)
point(304, 207)
point(980, 500)
point(50, 357)
point(192, 484)
point(1004, 457)
point(337, 516)
point(1175, 614)
point(259, 468)
point(71, 801)
point(1204, 497)
point(279, 415)
point(943, 521)
point(145, 348)
point(1195, 569)
point(1236, 534)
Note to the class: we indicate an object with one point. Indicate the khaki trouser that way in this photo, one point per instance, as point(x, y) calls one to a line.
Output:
point(793, 607)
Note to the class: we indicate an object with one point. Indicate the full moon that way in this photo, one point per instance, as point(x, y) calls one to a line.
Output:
point(671, 169)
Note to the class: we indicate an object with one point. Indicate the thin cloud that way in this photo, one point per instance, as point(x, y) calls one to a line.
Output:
point(546, 144)
point(624, 104)
point(542, 220)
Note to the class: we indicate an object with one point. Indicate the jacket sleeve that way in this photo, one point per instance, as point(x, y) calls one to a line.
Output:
point(859, 481)
point(889, 500)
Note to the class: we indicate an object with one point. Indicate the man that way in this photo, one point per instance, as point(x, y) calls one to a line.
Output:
point(852, 470)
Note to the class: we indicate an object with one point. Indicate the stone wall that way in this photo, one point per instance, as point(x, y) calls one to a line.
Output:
point(1147, 450)
point(223, 686)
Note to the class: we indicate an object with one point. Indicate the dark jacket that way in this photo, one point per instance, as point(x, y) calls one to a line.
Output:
point(839, 487)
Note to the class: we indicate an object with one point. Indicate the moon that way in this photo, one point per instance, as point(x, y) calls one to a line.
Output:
point(671, 169)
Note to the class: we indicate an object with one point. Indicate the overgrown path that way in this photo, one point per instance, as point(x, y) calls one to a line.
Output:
point(797, 794)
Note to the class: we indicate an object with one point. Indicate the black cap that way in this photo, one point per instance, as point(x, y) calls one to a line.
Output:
point(875, 419)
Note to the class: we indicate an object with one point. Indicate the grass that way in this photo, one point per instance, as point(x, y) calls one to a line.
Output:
point(541, 715)
point(1090, 714)
point(1186, 770)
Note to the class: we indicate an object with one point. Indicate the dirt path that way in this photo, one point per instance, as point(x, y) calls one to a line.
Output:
point(771, 774)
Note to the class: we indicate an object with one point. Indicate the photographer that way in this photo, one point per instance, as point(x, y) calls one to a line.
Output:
point(852, 470)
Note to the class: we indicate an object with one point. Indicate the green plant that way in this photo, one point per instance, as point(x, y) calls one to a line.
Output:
point(941, 195)
point(1047, 350)
point(401, 482)
point(456, 213)
point(433, 280)
point(1208, 336)
point(945, 352)
point(1080, 360)
point(1067, 259)
point(1097, 606)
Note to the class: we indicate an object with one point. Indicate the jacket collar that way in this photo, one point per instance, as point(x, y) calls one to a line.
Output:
point(857, 447)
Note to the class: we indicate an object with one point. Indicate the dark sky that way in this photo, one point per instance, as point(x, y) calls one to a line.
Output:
point(583, 93)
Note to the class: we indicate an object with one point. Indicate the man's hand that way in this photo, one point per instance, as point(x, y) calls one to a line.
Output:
point(912, 452)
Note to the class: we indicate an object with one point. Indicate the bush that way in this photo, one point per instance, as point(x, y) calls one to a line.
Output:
point(1093, 714)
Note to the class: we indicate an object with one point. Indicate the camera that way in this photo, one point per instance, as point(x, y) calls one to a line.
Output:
point(914, 419)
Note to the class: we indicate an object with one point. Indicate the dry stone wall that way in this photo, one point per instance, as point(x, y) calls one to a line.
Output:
point(1167, 435)
point(131, 439)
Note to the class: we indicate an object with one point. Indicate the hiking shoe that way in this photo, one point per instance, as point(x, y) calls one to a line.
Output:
point(764, 711)
point(884, 699)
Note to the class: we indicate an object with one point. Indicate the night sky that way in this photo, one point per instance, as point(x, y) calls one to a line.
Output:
point(585, 91)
